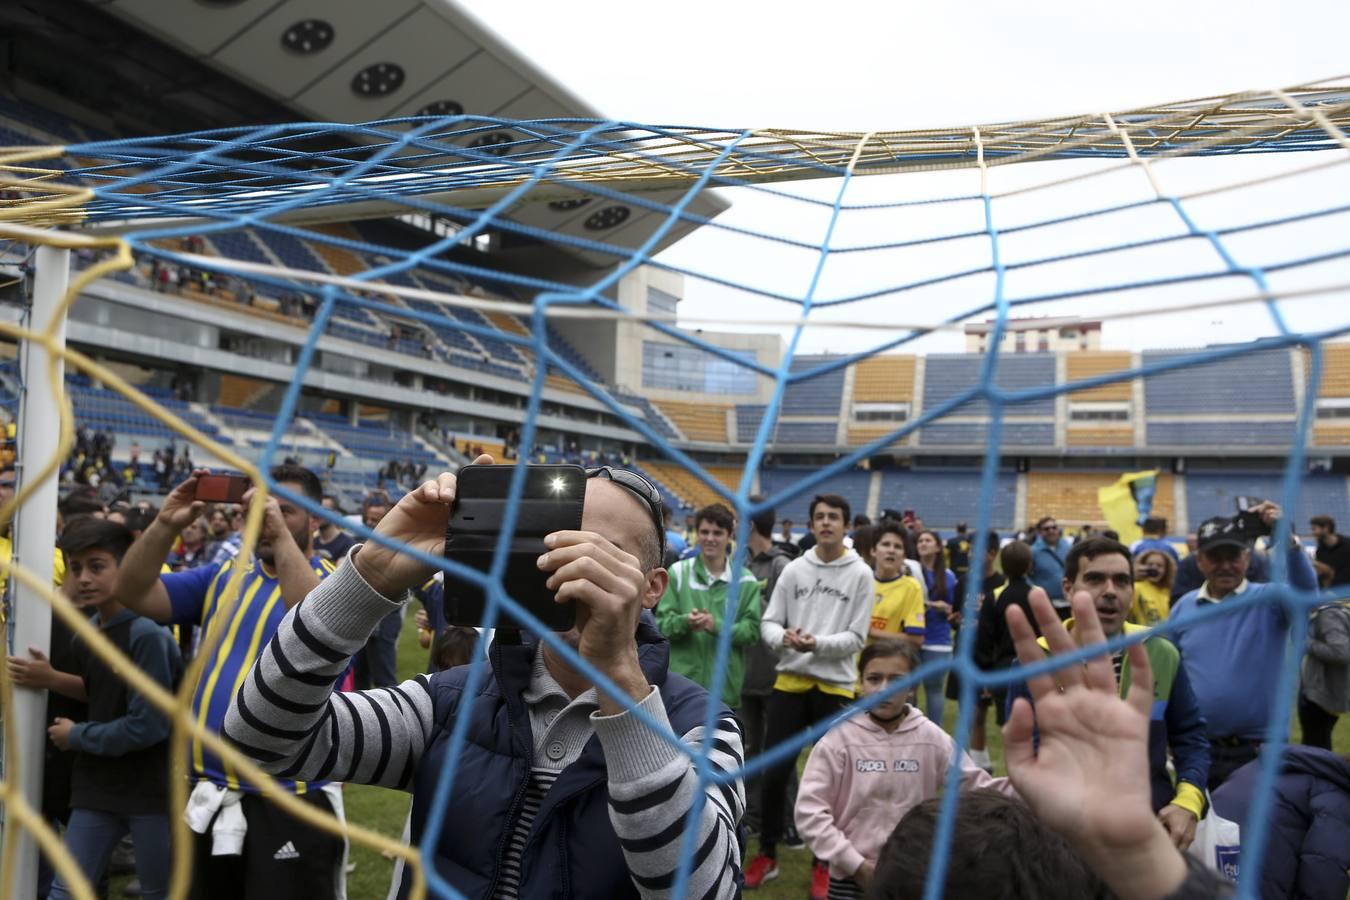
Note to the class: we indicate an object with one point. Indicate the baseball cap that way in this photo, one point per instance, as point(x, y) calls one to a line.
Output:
point(1220, 532)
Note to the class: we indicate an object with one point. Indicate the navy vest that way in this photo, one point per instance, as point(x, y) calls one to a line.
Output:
point(572, 851)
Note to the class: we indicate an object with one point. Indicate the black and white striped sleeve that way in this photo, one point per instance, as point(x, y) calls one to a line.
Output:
point(287, 716)
point(652, 787)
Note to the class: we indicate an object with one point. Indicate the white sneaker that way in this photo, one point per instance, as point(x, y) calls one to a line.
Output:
point(981, 759)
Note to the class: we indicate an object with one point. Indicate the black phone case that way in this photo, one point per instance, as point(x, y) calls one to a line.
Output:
point(471, 540)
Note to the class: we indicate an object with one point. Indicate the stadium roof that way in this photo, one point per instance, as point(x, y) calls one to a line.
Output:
point(356, 61)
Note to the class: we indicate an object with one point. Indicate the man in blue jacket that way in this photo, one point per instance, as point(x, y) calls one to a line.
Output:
point(1234, 660)
point(1048, 553)
point(562, 790)
point(1104, 570)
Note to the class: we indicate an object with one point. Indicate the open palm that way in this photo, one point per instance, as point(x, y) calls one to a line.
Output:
point(1089, 777)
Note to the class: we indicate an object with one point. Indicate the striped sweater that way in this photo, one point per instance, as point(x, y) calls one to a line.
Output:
point(286, 717)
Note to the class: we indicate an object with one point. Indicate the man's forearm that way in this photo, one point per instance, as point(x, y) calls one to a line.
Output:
point(139, 570)
point(294, 572)
point(649, 816)
point(367, 737)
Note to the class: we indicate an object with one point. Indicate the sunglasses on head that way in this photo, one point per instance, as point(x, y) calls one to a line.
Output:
point(644, 490)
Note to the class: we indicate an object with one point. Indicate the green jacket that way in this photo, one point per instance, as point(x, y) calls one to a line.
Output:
point(693, 654)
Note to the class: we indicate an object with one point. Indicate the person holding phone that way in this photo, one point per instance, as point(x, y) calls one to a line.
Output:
point(581, 791)
point(245, 846)
point(1234, 660)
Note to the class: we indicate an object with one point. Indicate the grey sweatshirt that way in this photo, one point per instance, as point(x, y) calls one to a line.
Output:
point(287, 717)
point(830, 601)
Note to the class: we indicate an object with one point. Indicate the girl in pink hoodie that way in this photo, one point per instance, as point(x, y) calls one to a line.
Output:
point(871, 769)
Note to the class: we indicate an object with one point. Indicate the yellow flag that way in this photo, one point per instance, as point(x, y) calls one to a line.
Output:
point(1128, 502)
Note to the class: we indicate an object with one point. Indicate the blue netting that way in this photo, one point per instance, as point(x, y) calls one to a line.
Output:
point(277, 181)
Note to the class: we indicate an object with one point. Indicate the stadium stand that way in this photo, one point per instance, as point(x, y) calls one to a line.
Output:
point(697, 421)
point(1255, 382)
point(688, 490)
point(947, 375)
point(1092, 363)
point(792, 433)
point(884, 379)
point(862, 434)
point(967, 434)
point(1072, 496)
point(944, 498)
point(106, 410)
point(748, 418)
point(1193, 433)
point(1333, 432)
point(821, 395)
point(853, 486)
point(1099, 436)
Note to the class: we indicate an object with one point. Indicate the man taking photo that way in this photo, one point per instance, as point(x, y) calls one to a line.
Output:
point(559, 782)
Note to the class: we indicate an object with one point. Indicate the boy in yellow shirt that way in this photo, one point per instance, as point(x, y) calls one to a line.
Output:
point(897, 608)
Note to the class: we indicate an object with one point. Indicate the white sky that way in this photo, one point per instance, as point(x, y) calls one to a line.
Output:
point(905, 65)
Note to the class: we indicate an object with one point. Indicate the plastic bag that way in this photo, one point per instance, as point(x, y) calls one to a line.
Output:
point(1218, 843)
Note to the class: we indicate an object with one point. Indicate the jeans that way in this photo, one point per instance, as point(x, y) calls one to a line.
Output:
point(376, 664)
point(934, 692)
point(92, 835)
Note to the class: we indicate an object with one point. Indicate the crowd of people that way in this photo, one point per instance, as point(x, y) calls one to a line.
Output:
point(90, 464)
point(1111, 765)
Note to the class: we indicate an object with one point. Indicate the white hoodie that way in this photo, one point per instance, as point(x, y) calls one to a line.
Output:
point(830, 601)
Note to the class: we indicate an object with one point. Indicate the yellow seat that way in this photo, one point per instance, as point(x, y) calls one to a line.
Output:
point(697, 421)
point(680, 482)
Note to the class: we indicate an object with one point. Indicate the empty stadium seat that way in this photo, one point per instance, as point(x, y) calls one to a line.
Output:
point(945, 498)
point(949, 375)
point(698, 421)
point(852, 485)
point(1193, 433)
point(692, 492)
point(974, 434)
point(820, 395)
point(1084, 364)
point(1253, 382)
point(884, 379)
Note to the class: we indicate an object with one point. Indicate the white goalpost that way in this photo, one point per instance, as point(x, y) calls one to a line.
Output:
point(38, 434)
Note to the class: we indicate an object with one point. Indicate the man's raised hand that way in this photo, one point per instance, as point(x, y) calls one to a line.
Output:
point(607, 585)
point(1089, 778)
point(181, 508)
point(419, 521)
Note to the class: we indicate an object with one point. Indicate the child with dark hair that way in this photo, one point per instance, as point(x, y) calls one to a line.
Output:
point(869, 770)
point(120, 778)
point(453, 647)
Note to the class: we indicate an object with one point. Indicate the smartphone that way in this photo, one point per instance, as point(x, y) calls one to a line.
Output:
point(551, 501)
point(1246, 503)
point(909, 515)
point(222, 488)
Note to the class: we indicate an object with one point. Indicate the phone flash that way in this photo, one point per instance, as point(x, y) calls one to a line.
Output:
point(558, 485)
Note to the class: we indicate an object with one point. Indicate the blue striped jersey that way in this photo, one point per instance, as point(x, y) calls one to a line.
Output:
point(201, 596)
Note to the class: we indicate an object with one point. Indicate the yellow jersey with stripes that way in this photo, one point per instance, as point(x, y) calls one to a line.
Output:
point(197, 597)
